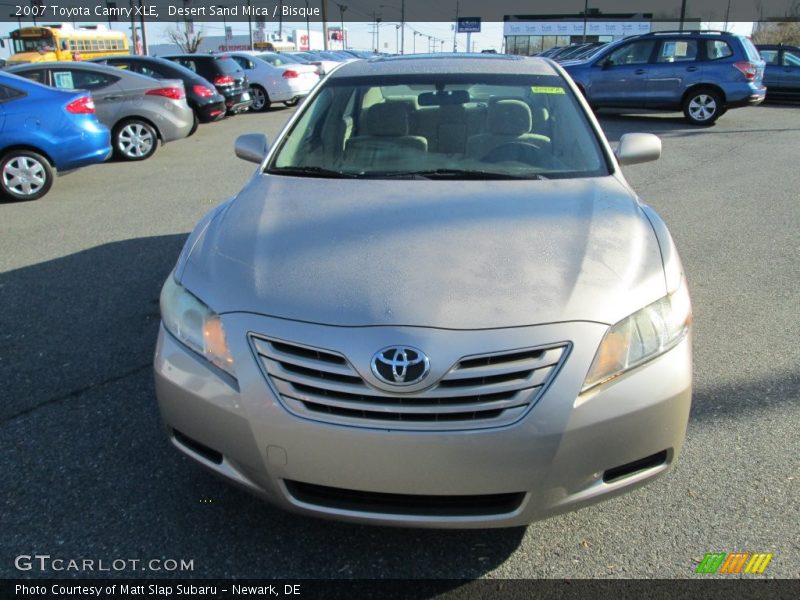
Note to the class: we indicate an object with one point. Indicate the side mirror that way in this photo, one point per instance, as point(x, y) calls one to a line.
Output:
point(635, 148)
point(251, 147)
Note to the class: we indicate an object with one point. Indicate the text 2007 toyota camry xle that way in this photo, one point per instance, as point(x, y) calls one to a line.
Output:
point(436, 303)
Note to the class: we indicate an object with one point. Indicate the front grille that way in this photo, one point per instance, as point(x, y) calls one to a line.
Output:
point(478, 391)
point(405, 504)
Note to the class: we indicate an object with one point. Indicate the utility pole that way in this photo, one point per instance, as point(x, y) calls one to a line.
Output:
point(144, 32)
point(585, 17)
point(250, 26)
point(683, 13)
point(324, 4)
point(308, 27)
point(455, 30)
point(342, 8)
point(134, 32)
point(403, 27)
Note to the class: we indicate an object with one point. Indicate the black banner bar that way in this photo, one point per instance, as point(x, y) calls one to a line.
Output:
point(287, 11)
point(733, 588)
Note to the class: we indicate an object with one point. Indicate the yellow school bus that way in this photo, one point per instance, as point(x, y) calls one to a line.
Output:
point(65, 42)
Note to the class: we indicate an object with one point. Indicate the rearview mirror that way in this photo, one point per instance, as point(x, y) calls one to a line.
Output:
point(635, 148)
point(251, 147)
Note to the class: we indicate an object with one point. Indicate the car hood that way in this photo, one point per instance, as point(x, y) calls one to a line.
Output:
point(448, 254)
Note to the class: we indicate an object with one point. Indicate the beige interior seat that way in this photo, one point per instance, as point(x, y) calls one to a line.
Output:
point(384, 131)
point(508, 121)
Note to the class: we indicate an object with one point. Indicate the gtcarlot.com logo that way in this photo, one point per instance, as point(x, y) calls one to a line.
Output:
point(47, 563)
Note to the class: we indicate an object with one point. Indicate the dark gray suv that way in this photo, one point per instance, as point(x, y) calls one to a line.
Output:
point(702, 73)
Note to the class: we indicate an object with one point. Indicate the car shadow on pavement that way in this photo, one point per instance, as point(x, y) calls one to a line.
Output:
point(91, 473)
point(76, 321)
point(615, 125)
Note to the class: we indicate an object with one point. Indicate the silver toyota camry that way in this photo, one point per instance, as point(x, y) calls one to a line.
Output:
point(436, 303)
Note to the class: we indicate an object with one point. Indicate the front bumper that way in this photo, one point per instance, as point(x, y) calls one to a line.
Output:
point(551, 460)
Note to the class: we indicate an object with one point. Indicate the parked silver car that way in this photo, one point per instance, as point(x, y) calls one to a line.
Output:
point(138, 110)
point(437, 303)
point(270, 82)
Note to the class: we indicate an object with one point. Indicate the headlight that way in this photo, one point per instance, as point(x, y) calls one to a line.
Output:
point(642, 336)
point(194, 324)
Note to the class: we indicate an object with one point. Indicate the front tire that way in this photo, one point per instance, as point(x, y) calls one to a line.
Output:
point(25, 175)
point(261, 101)
point(195, 124)
point(292, 102)
point(135, 140)
point(703, 107)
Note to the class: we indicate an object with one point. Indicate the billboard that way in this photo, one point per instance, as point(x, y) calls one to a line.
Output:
point(469, 25)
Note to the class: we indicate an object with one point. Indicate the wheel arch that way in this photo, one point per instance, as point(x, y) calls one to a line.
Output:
point(5, 150)
point(150, 122)
point(704, 86)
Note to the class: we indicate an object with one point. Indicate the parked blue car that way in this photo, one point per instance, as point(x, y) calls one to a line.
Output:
point(782, 76)
point(44, 130)
point(702, 73)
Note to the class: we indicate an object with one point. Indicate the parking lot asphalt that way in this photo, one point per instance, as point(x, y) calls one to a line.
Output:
point(88, 473)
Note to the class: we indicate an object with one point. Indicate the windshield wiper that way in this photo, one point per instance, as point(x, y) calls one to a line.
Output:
point(311, 171)
point(457, 174)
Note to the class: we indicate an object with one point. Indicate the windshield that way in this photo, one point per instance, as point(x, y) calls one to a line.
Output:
point(44, 43)
point(442, 126)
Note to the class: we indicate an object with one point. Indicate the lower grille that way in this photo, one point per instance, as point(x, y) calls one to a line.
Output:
point(479, 391)
point(405, 504)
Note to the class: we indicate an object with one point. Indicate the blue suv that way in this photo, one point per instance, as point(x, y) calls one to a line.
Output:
point(703, 73)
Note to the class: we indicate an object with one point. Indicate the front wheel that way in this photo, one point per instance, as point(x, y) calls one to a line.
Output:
point(261, 101)
point(703, 107)
point(25, 175)
point(195, 124)
point(135, 140)
point(292, 102)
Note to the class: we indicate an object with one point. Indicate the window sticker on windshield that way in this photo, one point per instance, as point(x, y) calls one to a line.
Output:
point(63, 80)
point(547, 90)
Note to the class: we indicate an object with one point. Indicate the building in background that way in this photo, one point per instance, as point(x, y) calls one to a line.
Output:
point(531, 34)
point(262, 40)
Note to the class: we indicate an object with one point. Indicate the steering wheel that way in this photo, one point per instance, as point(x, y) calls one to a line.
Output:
point(523, 152)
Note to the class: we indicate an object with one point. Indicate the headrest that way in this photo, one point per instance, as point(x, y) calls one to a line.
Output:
point(509, 117)
point(388, 119)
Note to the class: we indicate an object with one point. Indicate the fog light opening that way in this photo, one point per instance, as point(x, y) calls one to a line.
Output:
point(631, 468)
point(196, 447)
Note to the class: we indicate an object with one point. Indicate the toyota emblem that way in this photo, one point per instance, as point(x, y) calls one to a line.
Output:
point(400, 365)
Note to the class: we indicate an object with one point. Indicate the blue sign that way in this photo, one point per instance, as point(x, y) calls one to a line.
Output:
point(469, 25)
